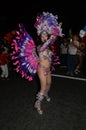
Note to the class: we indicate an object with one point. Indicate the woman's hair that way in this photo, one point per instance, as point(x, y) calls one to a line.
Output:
point(39, 41)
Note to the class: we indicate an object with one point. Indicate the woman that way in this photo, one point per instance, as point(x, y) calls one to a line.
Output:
point(44, 70)
point(29, 62)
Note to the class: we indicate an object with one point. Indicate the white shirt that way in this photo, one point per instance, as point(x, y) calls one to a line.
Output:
point(72, 50)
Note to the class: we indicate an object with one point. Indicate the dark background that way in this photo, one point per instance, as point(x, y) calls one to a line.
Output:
point(71, 13)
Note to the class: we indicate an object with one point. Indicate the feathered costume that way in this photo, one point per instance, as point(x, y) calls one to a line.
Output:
point(24, 54)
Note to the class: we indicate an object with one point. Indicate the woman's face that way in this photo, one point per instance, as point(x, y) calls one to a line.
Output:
point(44, 37)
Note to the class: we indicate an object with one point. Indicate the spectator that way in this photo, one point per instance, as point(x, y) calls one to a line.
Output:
point(63, 53)
point(72, 51)
point(4, 63)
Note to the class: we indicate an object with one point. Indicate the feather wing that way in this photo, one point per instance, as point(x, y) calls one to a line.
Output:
point(24, 54)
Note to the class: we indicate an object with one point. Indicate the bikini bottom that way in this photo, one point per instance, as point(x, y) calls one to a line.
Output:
point(46, 70)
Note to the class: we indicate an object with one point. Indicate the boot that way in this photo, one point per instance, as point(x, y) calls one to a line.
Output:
point(37, 105)
point(47, 98)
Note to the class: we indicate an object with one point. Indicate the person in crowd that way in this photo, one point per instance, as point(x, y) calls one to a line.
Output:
point(80, 56)
point(82, 35)
point(63, 52)
point(4, 63)
point(73, 46)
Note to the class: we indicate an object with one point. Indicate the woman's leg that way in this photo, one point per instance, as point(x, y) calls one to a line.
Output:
point(48, 85)
point(3, 71)
point(40, 95)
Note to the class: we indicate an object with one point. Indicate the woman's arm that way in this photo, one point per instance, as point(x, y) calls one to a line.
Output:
point(51, 40)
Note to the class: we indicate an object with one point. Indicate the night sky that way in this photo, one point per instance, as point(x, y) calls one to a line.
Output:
point(71, 13)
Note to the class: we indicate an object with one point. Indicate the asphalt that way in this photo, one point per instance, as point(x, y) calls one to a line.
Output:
point(66, 111)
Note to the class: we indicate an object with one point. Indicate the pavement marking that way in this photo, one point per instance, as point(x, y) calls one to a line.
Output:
point(63, 76)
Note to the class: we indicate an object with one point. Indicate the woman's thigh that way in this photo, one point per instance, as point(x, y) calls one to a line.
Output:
point(42, 77)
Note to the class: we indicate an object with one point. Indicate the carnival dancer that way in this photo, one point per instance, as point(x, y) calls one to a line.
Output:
point(28, 61)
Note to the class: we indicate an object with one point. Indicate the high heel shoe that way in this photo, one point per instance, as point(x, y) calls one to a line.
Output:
point(38, 107)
